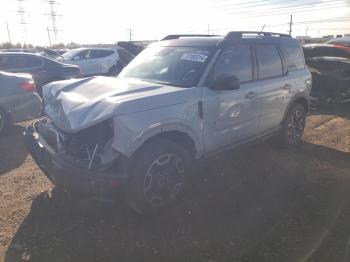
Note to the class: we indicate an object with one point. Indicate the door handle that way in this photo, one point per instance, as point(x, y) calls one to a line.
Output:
point(287, 87)
point(251, 95)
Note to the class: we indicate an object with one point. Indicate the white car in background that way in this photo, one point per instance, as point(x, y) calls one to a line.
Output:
point(98, 61)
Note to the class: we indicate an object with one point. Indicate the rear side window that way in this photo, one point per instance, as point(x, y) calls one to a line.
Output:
point(19, 62)
point(294, 57)
point(235, 60)
point(269, 61)
point(32, 61)
point(101, 53)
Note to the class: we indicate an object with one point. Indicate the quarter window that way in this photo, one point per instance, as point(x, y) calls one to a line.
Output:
point(235, 60)
point(294, 57)
point(269, 61)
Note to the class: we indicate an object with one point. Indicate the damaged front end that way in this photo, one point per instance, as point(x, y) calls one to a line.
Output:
point(81, 161)
point(330, 77)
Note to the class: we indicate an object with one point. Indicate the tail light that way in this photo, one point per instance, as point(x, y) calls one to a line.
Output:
point(28, 86)
point(346, 48)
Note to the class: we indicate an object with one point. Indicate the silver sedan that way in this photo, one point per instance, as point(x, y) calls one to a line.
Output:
point(18, 99)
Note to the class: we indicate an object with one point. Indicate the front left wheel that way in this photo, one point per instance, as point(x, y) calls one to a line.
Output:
point(159, 176)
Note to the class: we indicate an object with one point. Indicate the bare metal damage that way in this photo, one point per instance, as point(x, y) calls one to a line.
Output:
point(83, 106)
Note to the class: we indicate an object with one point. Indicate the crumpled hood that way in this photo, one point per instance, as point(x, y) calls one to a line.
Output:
point(79, 103)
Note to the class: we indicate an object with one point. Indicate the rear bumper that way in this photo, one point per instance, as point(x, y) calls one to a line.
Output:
point(22, 107)
point(69, 176)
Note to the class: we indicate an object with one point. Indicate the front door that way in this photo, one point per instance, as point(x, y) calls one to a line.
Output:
point(231, 116)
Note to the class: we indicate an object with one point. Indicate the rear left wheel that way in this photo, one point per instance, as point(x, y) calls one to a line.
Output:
point(293, 126)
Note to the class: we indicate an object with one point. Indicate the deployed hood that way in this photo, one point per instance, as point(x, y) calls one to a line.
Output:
point(79, 103)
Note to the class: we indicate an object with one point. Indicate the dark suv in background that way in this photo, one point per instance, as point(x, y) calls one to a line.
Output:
point(42, 69)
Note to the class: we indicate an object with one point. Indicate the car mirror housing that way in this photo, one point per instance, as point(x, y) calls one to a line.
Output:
point(226, 83)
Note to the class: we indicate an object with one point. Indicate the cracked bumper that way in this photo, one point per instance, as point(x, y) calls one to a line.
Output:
point(66, 175)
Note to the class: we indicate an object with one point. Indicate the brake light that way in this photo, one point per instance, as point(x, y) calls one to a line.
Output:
point(28, 86)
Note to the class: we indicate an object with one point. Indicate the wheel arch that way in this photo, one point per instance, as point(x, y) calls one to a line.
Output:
point(301, 99)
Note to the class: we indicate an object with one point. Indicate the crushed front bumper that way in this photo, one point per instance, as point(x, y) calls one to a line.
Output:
point(64, 174)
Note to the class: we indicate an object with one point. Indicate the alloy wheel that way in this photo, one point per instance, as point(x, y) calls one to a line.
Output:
point(164, 180)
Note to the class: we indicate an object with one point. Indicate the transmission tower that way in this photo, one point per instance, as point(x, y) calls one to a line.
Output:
point(22, 19)
point(53, 16)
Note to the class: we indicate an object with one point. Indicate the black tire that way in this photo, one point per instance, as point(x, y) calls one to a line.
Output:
point(159, 175)
point(293, 126)
point(4, 122)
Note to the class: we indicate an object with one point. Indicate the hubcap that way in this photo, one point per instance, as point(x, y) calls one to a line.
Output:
point(164, 180)
point(296, 126)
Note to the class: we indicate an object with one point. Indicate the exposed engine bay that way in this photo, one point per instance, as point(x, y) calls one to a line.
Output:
point(90, 148)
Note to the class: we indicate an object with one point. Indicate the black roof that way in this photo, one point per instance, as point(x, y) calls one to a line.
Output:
point(236, 37)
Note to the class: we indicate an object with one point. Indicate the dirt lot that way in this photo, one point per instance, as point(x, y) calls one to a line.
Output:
point(258, 204)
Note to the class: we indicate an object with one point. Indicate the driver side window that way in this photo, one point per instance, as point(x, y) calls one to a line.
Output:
point(234, 61)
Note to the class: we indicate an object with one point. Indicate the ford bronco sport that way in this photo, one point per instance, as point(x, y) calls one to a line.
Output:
point(182, 99)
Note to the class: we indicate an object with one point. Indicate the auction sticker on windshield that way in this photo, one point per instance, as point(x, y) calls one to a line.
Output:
point(194, 57)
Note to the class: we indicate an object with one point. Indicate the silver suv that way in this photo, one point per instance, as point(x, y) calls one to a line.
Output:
point(182, 99)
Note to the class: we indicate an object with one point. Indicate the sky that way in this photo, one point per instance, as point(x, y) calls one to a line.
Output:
point(108, 21)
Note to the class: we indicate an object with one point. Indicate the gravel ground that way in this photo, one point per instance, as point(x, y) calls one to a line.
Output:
point(257, 204)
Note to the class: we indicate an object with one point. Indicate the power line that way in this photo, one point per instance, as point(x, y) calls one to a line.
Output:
point(296, 8)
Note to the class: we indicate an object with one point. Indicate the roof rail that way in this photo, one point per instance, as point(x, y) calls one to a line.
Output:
point(171, 37)
point(239, 34)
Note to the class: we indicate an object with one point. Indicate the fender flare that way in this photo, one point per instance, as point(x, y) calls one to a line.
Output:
point(155, 130)
point(302, 96)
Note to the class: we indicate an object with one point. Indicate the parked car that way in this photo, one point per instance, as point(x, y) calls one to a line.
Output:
point(42, 69)
point(341, 41)
point(50, 53)
point(315, 50)
point(180, 100)
point(98, 61)
point(331, 78)
point(18, 99)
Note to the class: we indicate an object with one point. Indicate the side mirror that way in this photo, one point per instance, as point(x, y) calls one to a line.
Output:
point(226, 83)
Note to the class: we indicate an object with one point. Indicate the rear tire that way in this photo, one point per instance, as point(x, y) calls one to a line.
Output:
point(159, 176)
point(4, 122)
point(293, 126)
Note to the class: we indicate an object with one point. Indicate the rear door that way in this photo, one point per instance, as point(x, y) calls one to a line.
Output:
point(274, 83)
point(86, 63)
point(104, 60)
point(231, 116)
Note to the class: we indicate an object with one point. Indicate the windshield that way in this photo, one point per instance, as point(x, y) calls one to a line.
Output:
point(340, 41)
point(70, 54)
point(177, 66)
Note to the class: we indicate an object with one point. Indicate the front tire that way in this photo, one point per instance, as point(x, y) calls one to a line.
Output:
point(159, 176)
point(293, 126)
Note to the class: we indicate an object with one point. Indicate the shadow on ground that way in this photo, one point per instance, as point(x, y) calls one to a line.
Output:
point(257, 204)
point(13, 151)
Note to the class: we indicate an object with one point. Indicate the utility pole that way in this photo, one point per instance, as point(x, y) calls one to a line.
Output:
point(8, 32)
point(262, 29)
point(53, 16)
point(22, 20)
point(307, 29)
point(290, 24)
point(130, 34)
point(208, 29)
point(48, 34)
